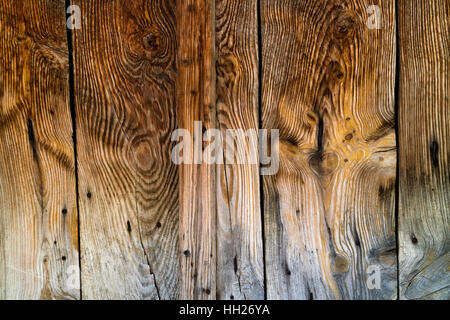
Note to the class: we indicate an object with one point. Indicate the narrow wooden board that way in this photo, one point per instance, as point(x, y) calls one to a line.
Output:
point(38, 211)
point(424, 150)
point(124, 58)
point(195, 100)
point(328, 86)
point(240, 265)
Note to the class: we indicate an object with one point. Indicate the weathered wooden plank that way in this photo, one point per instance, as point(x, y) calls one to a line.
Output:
point(424, 151)
point(328, 86)
point(195, 100)
point(240, 266)
point(124, 58)
point(38, 213)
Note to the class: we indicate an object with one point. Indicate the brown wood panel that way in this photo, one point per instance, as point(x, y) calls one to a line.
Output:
point(124, 58)
point(38, 212)
point(195, 100)
point(153, 229)
point(328, 86)
point(240, 265)
point(424, 151)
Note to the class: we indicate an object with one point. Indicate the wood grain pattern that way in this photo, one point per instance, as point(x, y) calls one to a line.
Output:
point(424, 151)
point(38, 217)
point(240, 265)
point(152, 229)
point(195, 100)
point(328, 86)
point(124, 57)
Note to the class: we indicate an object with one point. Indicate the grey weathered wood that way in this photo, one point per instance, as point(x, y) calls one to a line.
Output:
point(424, 150)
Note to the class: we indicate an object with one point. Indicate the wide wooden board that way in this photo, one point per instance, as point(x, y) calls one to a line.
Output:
point(38, 209)
point(124, 72)
point(328, 86)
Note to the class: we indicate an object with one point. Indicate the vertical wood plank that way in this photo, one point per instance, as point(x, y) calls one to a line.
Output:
point(328, 86)
point(38, 215)
point(424, 151)
point(240, 268)
point(124, 57)
point(195, 99)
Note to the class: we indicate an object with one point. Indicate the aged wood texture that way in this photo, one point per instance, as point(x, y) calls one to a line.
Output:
point(328, 86)
point(424, 151)
point(154, 229)
point(38, 216)
point(240, 265)
point(195, 100)
point(124, 58)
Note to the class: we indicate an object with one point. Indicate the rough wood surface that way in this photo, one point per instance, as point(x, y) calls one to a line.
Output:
point(124, 58)
point(38, 217)
point(240, 265)
point(328, 86)
point(424, 151)
point(318, 71)
point(195, 100)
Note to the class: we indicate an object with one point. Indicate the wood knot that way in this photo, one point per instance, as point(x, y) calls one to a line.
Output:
point(324, 163)
point(340, 264)
point(336, 71)
point(434, 153)
point(345, 26)
point(143, 155)
point(151, 42)
point(227, 68)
